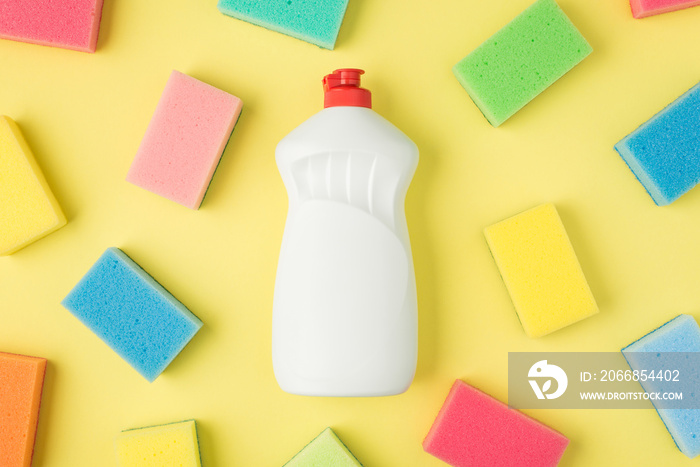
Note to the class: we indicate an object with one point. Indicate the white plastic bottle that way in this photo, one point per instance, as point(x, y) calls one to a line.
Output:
point(345, 314)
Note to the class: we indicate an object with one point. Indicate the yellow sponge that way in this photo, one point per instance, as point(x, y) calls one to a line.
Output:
point(172, 444)
point(540, 270)
point(28, 209)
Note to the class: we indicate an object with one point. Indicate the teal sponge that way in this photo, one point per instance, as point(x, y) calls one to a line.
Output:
point(521, 60)
point(325, 450)
point(314, 21)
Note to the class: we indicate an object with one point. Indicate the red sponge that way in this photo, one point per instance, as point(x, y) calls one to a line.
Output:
point(644, 8)
point(21, 380)
point(474, 429)
point(70, 24)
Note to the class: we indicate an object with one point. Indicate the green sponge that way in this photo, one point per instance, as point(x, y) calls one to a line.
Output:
point(314, 21)
point(325, 450)
point(521, 60)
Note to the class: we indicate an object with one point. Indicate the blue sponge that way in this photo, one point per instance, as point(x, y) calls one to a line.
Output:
point(314, 21)
point(664, 153)
point(132, 313)
point(681, 334)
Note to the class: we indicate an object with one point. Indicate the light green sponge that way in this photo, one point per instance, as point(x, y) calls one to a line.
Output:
point(325, 450)
point(521, 60)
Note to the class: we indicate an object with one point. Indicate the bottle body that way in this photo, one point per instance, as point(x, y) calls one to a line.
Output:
point(345, 309)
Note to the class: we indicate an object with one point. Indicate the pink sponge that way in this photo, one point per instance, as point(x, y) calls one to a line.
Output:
point(644, 8)
point(70, 24)
point(185, 140)
point(473, 429)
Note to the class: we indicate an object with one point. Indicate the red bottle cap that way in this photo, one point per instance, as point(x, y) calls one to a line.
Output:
point(342, 88)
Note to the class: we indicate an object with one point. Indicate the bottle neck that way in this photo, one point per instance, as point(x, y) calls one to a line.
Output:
point(342, 89)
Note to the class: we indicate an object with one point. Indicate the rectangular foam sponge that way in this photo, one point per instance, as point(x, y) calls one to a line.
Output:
point(325, 449)
point(644, 8)
point(664, 153)
point(521, 60)
point(681, 334)
point(185, 139)
point(472, 428)
point(174, 444)
point(28, 210)
point(314, 21)
point(540, 270)
point(21, 382)
point(70, 24)
point(132, 313)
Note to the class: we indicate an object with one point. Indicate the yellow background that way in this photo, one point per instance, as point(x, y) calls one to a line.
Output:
point(84, 116)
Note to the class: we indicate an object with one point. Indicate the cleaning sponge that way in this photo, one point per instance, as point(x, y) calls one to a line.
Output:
point(473, 429)
point(325, 450)
point(28, 209)
point(314, 21)
point(681, 334)
point(21, 382)
point(70, 24)
point(521, 60)
point(132, 313)
point(174, 444)
point(644, 8)
point(664, 153)
point(540, 270)
point(185, 140)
